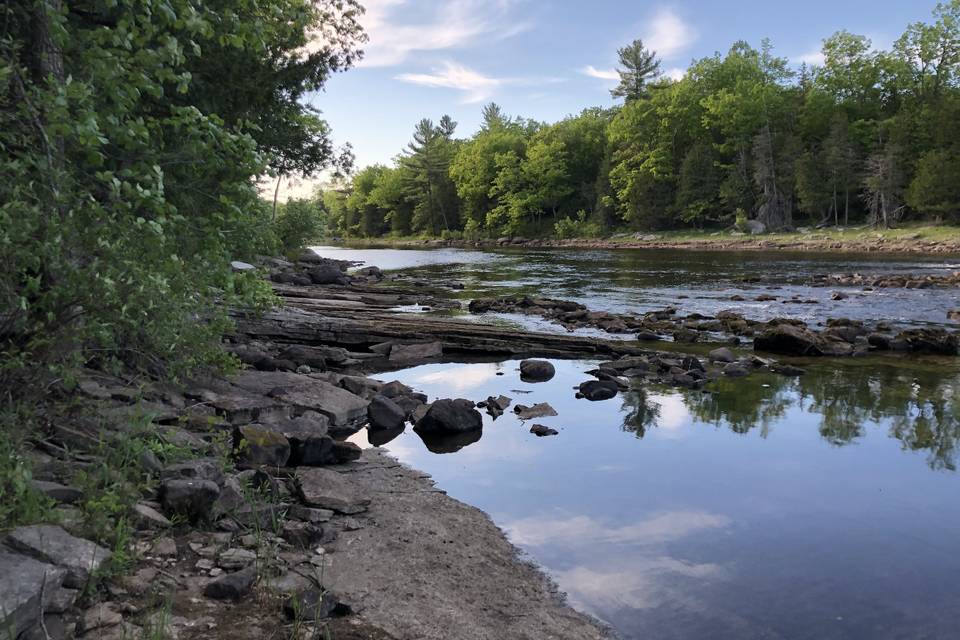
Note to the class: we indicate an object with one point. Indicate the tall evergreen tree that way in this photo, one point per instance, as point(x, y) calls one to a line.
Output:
point(638, 66)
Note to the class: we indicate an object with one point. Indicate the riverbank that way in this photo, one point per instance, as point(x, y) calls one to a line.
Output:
point(920, 239)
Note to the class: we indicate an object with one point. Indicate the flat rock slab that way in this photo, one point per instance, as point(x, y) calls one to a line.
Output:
point(307, 394)
point(51, 544)
point(22, 580)
point(328, 489)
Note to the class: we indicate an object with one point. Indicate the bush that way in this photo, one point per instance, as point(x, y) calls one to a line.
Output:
point(578, 227)
point(298, 223)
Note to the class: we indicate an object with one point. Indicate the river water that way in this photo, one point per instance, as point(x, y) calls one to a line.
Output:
point(765, 507)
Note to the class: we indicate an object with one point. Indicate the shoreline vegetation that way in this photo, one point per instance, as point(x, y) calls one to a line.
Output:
point(915, 239)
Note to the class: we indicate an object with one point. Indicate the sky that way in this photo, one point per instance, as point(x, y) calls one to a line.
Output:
point(546, 59)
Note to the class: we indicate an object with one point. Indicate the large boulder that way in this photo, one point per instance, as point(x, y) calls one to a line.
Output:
point(310, 444)
point(191, 498)
point(384, 413)
point(304, 393)
point(24, 582)
point(327, 274)
point(328, 489)
point(52, 545)
point(259, 445)
point(536, 371)
point(930, 340)
point(595, 390)
point(415, 353)
point(790, 340)
point(450, 416)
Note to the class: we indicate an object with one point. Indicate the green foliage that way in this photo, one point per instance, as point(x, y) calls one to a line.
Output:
point(577, 227)
point(298, 223)
point(20, 503)
point(133, 134)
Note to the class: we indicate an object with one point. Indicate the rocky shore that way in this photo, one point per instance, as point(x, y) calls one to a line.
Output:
point(251, 514)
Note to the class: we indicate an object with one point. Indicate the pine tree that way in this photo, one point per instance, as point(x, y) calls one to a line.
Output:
point(638, 66)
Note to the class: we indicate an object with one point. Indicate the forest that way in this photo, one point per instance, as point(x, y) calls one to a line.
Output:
point(868, 137)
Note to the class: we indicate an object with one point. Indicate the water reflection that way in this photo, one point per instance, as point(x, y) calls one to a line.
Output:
point(768, 507)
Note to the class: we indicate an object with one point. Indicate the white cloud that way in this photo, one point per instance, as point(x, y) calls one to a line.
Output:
point(675, 73)
point(475, 85)
point(668, 34)
point(603, 74)
point(813, 57)
point(458, 23)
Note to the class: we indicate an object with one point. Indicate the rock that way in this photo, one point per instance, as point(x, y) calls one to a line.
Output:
point(24, 579)
point(231, 498)
point(57, 492)
point(258, 516)
point(755, 227)
point(307, 514)
point(256, 445)
point(722, 355)
point(309, 443)
point(346, 451)
point(788, 339)
point(193, 499)
point(446, 416)
point(735, 370)
point(306, 356)
point(235, 558)
point(304, 393)
point(232, 586)
point(301, 535)
point(327, 274)
point(165, 548)
point(540, 431)
point(953, 315)
point(496, 406)
point(53, 545)
point(288, 584)
point(380, 437)
point(328, 489)
point(198, 469)
point(395, 389)
point(536, 371)
point(930, 340)
point(100, 616)
point(411, 353)
point(787, 370)
point(148, 462)
point(238, 266)
point(692, 363)
point(838, 295)
point(595, 390)
point(648, 336)
point(540, 410)
point(384, 413)
point(314, 604)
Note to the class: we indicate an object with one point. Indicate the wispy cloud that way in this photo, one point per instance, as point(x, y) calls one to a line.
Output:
point(580, 530)
point(668, 34)
point(675, 73)
point(603, 74)
point(476, 86)
point(456, 23)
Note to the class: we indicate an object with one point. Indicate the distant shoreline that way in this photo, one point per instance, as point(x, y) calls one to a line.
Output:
point(911, 240)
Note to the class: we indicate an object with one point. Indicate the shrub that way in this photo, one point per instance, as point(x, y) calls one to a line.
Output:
point(577, 227)
point(298, 223)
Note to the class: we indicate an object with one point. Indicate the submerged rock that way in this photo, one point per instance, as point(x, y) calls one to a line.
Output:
point(540, 431)
point(788, 339)
point(540, 410)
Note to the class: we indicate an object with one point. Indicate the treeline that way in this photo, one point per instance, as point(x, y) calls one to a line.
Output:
point(133, 136)
point(867, 137)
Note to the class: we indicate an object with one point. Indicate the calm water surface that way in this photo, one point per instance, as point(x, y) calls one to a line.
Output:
point(767, 507)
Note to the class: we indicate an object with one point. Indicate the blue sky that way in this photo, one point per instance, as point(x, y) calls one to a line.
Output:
point(547, 59)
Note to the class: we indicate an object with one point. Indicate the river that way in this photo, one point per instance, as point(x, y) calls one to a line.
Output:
point(816, 507)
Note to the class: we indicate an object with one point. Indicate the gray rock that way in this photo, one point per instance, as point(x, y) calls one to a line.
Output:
point(165, 548)
point(230, 498)
point(239, 266)
point(327, 274)
point(60, 600)
point(358, 385)
point(302, 535)
point(258, 445)
point(755, 227)
point(346, 451)
point(258, 516)
point(540, 431)
point(53, 545)
point(308, 514)
point(58, 492)
point(232, 586)
point(722, 355)
point(309, 443)
point(595, 390)
point(384, 413)
point(735, 370)
point(198, 469)
point(146, 517)
point(536, 371)
point(329, 490)
point(191, 498)
point(340, 406)
point(23, 581)
point(100, 616)
point(288, 584)
point(411, 353)
point(450, 416)
point(233, 559)
point(540, 410)
point(395, 389)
